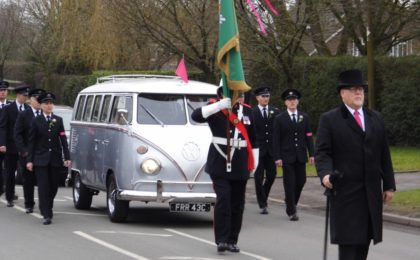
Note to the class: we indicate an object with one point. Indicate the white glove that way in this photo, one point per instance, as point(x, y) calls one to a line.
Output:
point(256, 155)
point(215, 107)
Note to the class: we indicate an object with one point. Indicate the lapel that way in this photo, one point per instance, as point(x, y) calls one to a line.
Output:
point(350, 121)
point(368, 123)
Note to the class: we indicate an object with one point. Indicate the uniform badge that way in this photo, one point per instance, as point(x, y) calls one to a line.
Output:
point(235, 121)
point(246, 120)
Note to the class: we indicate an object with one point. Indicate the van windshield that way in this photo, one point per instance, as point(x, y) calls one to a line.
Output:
point(161, 109)
point(194, 102)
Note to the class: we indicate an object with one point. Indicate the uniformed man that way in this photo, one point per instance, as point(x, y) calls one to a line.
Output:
point(46, 147)
point(266, 172)
point(7, 141)
point(292, 143)
point(229, 166)
point(4, 85)
point(21, 134)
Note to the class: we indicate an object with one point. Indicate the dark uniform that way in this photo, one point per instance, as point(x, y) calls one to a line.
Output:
point(264, 124)
point(21, 134)
point(229, 186)
point(292, 141)
point(47, 145)
point(7, 127)
point(3, 86)
point(363, 157)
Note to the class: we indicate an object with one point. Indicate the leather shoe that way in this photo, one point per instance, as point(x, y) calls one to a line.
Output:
point(234, 248)
point(46, 221)
point(293, 217)
point(10, 203)
point(264, 211)
point(29, 210)
point(222, 247)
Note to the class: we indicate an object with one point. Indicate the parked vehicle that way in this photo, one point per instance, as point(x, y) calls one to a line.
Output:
point(132, 136)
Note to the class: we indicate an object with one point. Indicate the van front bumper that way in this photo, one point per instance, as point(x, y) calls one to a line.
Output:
point(166, 196)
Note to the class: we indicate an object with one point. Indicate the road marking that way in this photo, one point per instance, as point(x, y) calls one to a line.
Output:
point(81, 214)
point(212, 243)
point(132, 233)
point(71, 199)
point(110, 246)
point(188, 258)
point(23, 210)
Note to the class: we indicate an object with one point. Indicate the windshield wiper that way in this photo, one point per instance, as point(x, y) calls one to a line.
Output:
point(152, 115)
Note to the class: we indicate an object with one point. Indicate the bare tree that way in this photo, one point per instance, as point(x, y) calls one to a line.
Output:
point(11, 18)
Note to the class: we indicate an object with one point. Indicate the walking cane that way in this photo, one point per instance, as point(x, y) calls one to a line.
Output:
point(334, 178)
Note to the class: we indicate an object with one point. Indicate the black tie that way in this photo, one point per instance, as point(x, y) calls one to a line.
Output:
point(294, 118)
point(21, 108)
point(48, 119)
point(37, 113)
point(264, 113)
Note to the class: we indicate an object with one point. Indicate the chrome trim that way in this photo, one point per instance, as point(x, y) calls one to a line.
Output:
point(175, 182)
point(165, 196)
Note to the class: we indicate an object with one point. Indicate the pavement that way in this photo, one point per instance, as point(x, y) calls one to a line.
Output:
point(312, 197)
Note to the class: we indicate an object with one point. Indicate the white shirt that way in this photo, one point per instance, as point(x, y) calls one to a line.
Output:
point(34, 110)
point(293, 113)
point(19, 104)
point(262, 111)
point(362, 116)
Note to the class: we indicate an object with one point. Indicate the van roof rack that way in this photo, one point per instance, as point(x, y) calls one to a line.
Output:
point(120, 77)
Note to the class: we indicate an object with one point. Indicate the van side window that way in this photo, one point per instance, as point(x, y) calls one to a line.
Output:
point(80, 106)
point(124, 102)
point(88, 108)
point(105, 108)
point(96, 106)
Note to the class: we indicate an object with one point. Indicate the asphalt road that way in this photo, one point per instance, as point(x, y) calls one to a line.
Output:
point(153, 233)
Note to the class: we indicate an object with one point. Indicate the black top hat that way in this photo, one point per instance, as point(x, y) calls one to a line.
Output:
point(264, 90)
point(290, 94)
point(47, 96)
point(4, 84)
point(22, 89)
point(351, 78)
point(36, 92)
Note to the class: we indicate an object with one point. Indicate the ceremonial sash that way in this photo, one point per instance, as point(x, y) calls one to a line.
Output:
point(233, 119)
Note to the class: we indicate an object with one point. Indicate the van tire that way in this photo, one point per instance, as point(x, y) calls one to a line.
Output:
point(82, 196)
point(117, 209)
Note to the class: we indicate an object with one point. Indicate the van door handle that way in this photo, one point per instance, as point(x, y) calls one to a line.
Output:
point(105, 142)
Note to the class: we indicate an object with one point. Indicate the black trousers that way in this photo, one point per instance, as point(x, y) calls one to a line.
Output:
point(263, 185)
point(29, 181)
point(294, 178)
point(353, 252)
point(11, 161)
point(229, 209)
point(47, 178)
point(1, 174)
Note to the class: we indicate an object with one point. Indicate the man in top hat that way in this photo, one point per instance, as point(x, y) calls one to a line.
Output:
point(266, 172)
point(229, 177)
point(351, 139)
point(4, 85)
point(46, 147)
point(7, 141)
point(292, 143)
point(21, 134)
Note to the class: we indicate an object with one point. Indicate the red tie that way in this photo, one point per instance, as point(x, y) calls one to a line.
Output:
point(358, 119)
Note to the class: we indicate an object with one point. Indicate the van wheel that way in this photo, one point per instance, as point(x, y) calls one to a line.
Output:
point(82, 196)
point(117, 209)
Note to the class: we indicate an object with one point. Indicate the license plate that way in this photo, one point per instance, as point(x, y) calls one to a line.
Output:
point(187, 206)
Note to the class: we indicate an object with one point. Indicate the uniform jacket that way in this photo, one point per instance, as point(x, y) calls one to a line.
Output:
point(292, 141)
point(47, 142)
point(365, 161)
point(7, 126)
point(21, 132)
point(216, 163)
point(264, 129)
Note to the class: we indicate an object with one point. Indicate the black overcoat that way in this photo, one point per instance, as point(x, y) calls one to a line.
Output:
point(365, 161)
point(21, 132)
point(47, 142)
point(264, 129)
point(292, 141)
point(216, 163)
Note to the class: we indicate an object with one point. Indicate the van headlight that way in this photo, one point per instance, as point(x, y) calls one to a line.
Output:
point(150, 166)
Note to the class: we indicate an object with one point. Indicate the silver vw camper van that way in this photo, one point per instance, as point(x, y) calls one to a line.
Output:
point(132, 136)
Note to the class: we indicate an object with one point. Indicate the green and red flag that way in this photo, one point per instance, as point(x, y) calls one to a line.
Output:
point(229, 56)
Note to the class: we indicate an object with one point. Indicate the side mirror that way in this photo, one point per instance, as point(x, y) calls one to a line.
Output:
point(122, 115)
